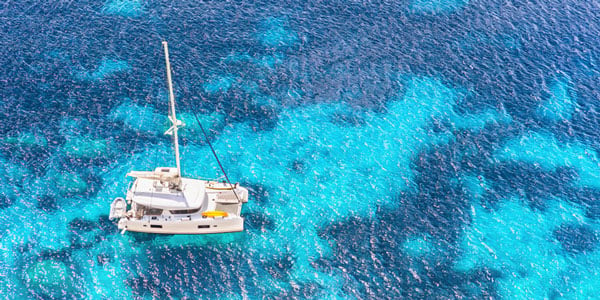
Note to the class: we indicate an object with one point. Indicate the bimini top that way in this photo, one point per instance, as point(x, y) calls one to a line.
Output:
point(160, 194)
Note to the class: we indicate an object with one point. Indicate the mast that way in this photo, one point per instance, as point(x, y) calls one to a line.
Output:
point(172, 117)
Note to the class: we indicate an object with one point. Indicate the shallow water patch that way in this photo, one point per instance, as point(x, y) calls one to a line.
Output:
point(50, 278)
point(27, 139)
point(85, 147)
point(142, 119)
point(561, 102)
point(436, 6)
point(106, 68)
point(417, 246)
point(219, 84)
point(126, 8)
point(476, 186)
point(274, 33)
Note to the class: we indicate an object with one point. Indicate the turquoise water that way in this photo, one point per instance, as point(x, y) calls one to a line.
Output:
point(420, 149)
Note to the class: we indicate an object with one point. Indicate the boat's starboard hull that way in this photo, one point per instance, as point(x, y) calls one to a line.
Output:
point(196, 226)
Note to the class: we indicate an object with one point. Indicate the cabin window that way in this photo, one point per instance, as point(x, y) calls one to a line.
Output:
point(155, 226)
point(153, 211)
point(141, 210)
point(203, 226)
point(184, 211)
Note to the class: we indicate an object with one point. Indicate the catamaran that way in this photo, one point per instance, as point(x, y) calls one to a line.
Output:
point(162, 201)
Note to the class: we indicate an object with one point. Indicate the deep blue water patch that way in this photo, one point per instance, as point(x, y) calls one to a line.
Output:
point(297, 166)
point(47, 203)
point(589, 199)
point(577, 238)
point(308, 290)
point(80, 224)
point(201, 272)
point(33, 157)
point(370, 253)
point(258, 221)
point(279, 267)
point(85, 234)
point(106, 225)
point(6, 201)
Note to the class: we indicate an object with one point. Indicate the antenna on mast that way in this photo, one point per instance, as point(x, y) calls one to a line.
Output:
point(172, 117)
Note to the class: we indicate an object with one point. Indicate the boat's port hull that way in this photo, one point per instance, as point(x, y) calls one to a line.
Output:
point(196, 226)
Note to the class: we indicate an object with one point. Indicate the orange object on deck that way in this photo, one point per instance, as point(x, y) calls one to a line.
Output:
point(214, 213)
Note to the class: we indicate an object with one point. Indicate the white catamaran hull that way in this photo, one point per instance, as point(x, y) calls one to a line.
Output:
point(199, 207)
point(190, 226)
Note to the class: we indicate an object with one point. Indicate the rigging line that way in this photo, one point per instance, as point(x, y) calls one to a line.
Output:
point(214, 153)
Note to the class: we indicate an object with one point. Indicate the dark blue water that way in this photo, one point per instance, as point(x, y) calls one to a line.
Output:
point(415, 149)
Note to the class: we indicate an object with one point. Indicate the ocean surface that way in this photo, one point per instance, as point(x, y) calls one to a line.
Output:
point(441, 149)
